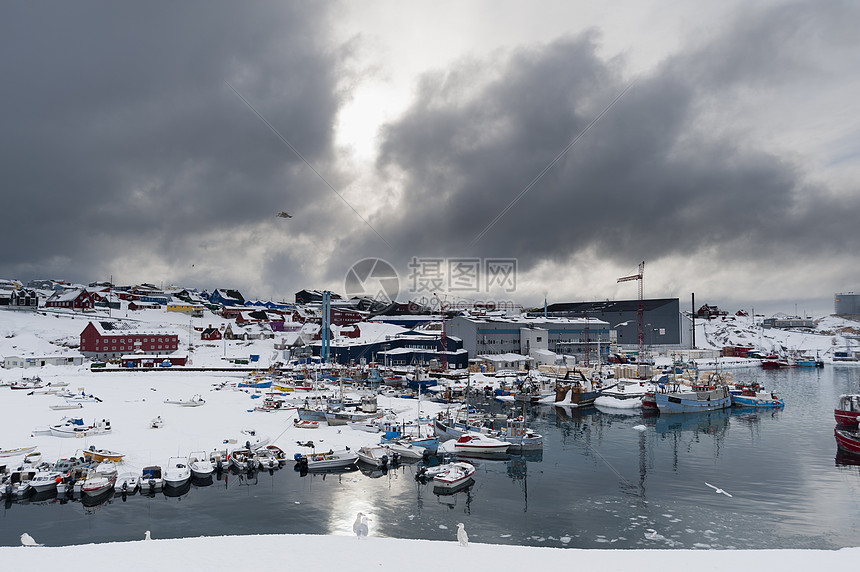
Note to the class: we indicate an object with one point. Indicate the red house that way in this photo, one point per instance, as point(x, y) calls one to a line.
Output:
point(211, 333)
point(105, 340)
point(78, 299)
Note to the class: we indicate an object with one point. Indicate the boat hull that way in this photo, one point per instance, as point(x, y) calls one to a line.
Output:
point(848, 441)
point(691, 402)
point(846, 418)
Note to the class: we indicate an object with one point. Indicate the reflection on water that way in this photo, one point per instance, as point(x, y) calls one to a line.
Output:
point(598, 483)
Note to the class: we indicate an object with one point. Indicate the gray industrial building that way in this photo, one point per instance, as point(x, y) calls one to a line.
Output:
point(847, 304)
point(494, 335)
point(662, 319)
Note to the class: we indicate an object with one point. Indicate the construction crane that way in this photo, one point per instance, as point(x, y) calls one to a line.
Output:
point(640, 314)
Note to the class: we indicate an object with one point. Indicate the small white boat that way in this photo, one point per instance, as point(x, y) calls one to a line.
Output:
point(305, 424)
point(378, 456)
point(195, 401)
point(127, 483)
point(329, 460)
point(97, 483)
point(266, 460)
point(44, 481)
point(200, 465)
point(244, 459)
point(406, 450)
point(17, 451)
point(176, 473)
point(457, 474)
point(64, 406)
point(480, 443)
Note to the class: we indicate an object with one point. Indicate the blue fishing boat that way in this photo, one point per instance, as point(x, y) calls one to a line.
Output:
point(698, 398)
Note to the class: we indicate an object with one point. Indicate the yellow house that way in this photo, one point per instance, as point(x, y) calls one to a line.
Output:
point(185, 307)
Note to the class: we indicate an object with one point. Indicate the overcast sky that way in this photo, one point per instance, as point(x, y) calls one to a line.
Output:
point(717, 141)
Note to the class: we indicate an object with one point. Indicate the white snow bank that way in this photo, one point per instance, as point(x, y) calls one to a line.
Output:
point(324, 553)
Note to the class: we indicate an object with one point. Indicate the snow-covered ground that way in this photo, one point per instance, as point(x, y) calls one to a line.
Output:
point(324, 553)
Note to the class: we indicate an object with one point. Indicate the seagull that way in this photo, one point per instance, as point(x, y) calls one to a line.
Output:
point(462, 537)
point(28, 540)
point(363, 529)
point(147, 536)
point(357, 523)
point(718, 490)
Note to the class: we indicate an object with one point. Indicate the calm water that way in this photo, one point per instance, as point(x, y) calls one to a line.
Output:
point(598, 484)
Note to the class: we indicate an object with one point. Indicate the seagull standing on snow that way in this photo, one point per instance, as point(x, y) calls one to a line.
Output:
point(363, 528)
point(357, 523)
point(462, 537)
point(28, 540)
point(718, 490)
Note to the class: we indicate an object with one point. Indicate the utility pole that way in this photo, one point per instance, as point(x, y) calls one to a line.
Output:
point(640, 314)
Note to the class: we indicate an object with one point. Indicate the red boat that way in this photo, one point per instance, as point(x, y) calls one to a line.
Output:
point(848, 441)
point(847, 412)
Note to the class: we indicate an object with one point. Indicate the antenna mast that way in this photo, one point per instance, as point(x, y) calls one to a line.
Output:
point(640, 314)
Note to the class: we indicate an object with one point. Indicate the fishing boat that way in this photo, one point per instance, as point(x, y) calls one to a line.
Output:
point(176, 473)
point(100, 455)
point(277, 452)
point(477, 443)
point(456, 475)
point(701, 396)
point(847, 440)
point(329, 460)
point(847, 412)
point(18, 483)
point(17, 451)
point(573, 392)
point(756, 396)
point(521, 437)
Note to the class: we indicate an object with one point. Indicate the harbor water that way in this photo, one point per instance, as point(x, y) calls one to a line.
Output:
point(599, 483)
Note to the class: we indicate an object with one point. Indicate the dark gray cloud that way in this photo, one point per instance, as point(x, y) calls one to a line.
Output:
point(118, 124)
point(652, 179)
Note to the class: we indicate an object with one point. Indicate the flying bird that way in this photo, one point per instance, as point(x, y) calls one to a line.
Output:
point(28, 540)
point(718, 490)
point(147, 536)
point(284, 214)
point(462, 537)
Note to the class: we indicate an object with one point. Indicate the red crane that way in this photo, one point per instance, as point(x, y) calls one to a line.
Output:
point(640, 314)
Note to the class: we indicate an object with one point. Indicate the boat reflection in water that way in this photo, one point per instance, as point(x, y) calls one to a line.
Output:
point(712, 422)
point(304, 472)
point(91, 503)
point(176, 492)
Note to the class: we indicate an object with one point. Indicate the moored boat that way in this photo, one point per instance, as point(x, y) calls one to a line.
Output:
point(328, 460)
point(200, 465)
point(127, 483)
point(848, 441)
point(75, 427)
point(46, 480)
point(305, 424)
point(756, 396)
point(699, 397)
point(847, 411)
point(100, 455)
point(456, 475)
point(176, 473)
point(97, 482)
point(17, 451)
point(472, 443)
point(151, 480)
